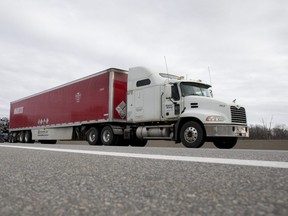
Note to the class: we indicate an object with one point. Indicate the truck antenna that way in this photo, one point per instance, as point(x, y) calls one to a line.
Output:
point(210, 75)
point(166, 68)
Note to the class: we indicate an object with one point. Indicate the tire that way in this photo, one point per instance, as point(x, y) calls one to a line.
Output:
point(192, 135)
point(225, 143)
point(108, 137)
point(28, 137)
point(22, 137)
point(48, 141)
point(122, 142)
point(11, 138)
point(92, 136)
point(138, 142)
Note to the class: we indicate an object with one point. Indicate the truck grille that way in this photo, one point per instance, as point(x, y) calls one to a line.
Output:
point(238, 115)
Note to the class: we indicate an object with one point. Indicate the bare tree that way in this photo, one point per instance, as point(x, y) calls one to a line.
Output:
point(267, 128)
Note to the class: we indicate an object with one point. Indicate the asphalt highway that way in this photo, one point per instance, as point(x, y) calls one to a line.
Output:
point(98, 180)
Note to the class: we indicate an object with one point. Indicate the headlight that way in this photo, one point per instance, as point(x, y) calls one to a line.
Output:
point(215, 118)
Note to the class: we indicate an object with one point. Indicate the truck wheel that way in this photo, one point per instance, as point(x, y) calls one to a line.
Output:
point(108, 137)
point(121, 141)
point(225, 143)
point(138, 142)
point(28, 137)
point(92, 136)
point(191, 135)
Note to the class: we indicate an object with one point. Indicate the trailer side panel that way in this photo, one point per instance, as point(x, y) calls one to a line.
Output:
point(81, 102)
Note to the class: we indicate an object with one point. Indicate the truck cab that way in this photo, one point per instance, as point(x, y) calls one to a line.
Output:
point(119, 107)
point(166, 106)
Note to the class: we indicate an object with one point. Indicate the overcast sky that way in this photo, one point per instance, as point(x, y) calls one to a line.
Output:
point(45, 43)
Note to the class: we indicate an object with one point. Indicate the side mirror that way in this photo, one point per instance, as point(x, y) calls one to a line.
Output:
point(211, 92)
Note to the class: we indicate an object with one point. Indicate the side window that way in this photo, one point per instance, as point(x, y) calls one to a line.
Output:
point(175, 93)
point(143, 82)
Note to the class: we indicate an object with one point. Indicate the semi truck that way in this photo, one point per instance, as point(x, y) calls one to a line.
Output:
point(119, 107)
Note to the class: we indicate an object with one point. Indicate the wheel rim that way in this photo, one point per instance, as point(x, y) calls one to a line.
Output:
point(106, 136)
point(92, 136)
point(190, 134)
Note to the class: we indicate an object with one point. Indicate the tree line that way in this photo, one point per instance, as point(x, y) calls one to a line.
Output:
point(268, 132)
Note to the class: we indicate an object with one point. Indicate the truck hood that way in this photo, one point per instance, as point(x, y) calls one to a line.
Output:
point(211, 101)
point(203, 107)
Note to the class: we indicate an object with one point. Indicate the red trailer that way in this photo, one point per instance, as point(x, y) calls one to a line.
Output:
point(65, 112)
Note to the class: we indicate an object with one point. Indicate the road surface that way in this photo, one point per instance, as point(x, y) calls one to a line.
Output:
point(98, 180)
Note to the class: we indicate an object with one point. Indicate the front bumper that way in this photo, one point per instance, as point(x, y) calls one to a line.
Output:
point(218, 130)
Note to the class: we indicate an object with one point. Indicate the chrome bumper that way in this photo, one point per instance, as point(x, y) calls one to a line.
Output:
point(213, 130)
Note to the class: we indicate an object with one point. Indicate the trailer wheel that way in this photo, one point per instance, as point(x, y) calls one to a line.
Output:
point(28, 137)
point(22, 137)
point(92, 136)
point(48, 141)
point(108, 137)
point(12, 138)
point(192, 135)
point(225, 143)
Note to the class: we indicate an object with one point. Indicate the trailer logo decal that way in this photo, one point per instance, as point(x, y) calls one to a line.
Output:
point(18, 110)
point(43, 121)
point(78, 97)
point(121, 109)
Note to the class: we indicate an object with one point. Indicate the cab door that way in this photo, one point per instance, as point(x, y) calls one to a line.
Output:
point(170, 100)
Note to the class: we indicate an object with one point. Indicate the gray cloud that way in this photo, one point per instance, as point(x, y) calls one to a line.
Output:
point(47, 43)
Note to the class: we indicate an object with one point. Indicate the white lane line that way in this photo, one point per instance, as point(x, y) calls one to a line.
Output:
point(258, 163)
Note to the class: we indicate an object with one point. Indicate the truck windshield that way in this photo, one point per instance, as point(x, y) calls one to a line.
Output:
point(198, 89)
